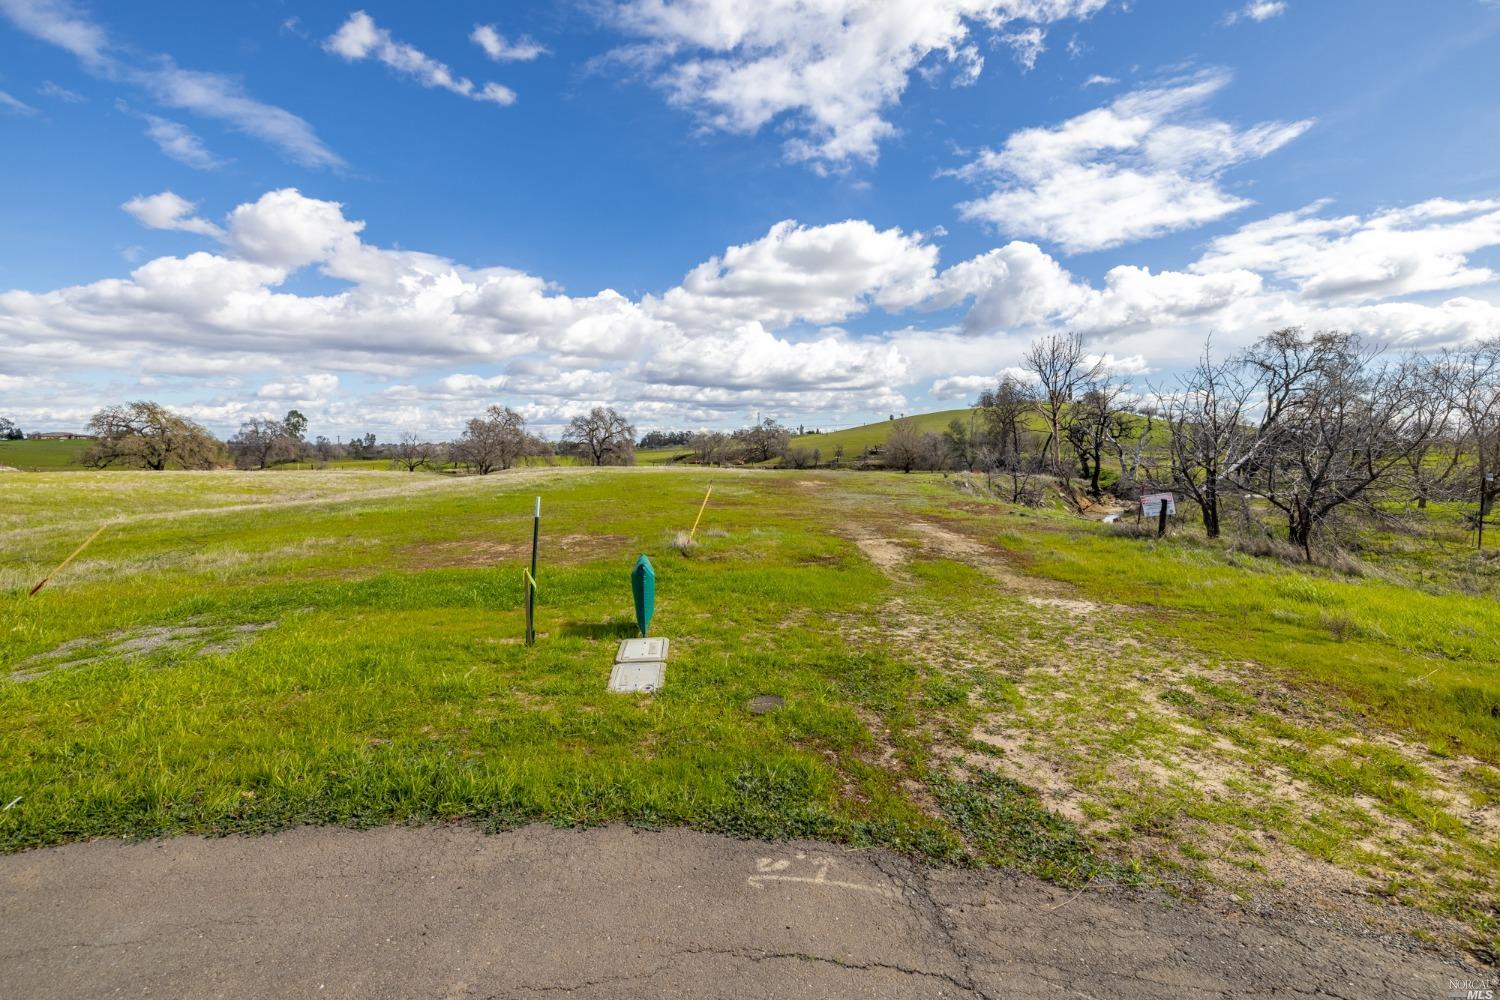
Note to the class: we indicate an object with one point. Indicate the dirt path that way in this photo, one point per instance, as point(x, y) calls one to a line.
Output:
point(611, 912)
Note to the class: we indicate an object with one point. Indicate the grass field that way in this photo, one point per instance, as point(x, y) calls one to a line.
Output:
point(32, 455)
point(964, 681)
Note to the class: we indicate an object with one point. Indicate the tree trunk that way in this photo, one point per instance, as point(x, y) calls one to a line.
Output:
point(1299, 527)
point(1210, 508)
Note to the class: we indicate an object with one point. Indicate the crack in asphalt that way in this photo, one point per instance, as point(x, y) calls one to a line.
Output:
point(754, 955)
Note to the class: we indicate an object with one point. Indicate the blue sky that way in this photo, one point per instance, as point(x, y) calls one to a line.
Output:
point(826, 211)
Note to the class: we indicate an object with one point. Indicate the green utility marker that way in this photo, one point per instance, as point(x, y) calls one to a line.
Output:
point(643, 585)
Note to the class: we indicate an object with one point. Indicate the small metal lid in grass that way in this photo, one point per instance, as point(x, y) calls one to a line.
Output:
point(763, 703)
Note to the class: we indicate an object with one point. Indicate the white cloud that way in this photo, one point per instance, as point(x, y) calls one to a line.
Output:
point(211, 95)
point(828, 71)
point(1028, 45)
point(60, 93)
point(1100, 80)
point(1017, 285)
point(223, 99)
point(1145, 165)
point(747, 330)
point(180, 143)
point(360, 37)
point(14, 105)
point(496, 46)
point(961, 386)
point(303, 389)
point(170, 211)
point(813, 274)
point(286, 229)
point(1422, 248)
point(1257, 10)
point(59, 22)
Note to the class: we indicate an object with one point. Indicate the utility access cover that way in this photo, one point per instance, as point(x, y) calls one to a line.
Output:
point(633, 677)
point(642, 651)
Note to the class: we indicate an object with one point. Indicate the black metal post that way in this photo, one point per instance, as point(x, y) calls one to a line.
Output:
point(1161, 519)
point(536, 533)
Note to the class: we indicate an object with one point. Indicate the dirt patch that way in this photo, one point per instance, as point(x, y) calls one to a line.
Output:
point(479, 553)
point(886, 553)
point(949, 542)
point(132, 644)
point(1072, 606)
point(1049, 781)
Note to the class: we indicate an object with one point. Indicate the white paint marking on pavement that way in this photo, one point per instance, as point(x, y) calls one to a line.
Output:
point(769, 870)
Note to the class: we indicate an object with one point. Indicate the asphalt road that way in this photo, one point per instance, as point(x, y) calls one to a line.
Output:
point(451, 912)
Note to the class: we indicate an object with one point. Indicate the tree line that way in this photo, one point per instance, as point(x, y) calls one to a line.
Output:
point(147, 435)
point(1314, 425)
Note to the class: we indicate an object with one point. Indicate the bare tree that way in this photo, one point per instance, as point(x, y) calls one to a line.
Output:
point(933, 452)
point(146, 435)
point(496, 440)
point(959, 441)
point(412, 453)
point(603, 436)
point(1344, 421)
point(1206, 431)
point(710, 447)
point(1003, 411)
point(1476, 400)
point(1090, 421)
point(1061, 367)
point(797, 458)
point(324, 449)
point(903, 446)
point(261, 443)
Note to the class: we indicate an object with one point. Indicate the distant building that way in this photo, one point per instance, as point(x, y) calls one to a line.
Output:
point(59, 436)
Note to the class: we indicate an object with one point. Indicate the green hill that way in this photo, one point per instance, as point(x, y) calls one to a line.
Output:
point(857, 439)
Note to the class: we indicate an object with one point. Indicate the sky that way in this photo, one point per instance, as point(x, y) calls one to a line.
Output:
point(394, 215)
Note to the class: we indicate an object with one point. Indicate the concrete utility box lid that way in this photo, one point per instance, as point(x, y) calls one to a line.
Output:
point(642, 650)
point(641, 677)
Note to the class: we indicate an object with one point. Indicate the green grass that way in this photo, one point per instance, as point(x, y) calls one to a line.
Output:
point(1422, 662)
point(31, 455)
point(392, 686)
point(247, 651)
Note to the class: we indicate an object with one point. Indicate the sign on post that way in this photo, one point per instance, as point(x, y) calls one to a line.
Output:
point(643, 586)
point(1151, 504)
point(1159, 505)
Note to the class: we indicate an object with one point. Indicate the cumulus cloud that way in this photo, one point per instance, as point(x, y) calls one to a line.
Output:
point(498, 48)
point(211, 95)
point(287, 230)
point(750, 328)
point(828, 71)
point(1147, 164)
point(170, 211)
point(817, 274)
point(360, 37)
